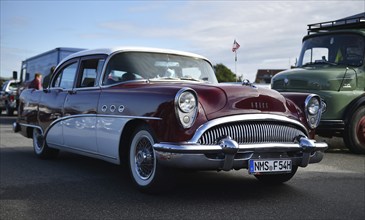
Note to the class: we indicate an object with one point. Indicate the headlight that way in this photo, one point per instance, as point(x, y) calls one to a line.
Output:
point(186, 107)
point(313, 106)
point(187, 102)
point(313, 110)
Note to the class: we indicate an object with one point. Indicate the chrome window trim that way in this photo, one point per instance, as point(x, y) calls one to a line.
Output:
point(248, 117)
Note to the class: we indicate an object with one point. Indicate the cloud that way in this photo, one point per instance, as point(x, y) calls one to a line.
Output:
point(270, 32)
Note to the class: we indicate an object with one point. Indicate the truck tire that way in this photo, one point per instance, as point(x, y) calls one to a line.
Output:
point(354, 136)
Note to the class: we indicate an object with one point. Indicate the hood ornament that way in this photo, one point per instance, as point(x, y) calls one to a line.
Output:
point(247, 82)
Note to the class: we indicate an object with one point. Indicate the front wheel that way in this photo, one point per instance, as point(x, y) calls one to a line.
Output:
point(145, 170)
point(40, 148)
point(273, 179)
point(354, 136)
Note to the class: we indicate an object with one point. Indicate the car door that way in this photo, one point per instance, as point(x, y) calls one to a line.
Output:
point(51, 116)
point(80, 107)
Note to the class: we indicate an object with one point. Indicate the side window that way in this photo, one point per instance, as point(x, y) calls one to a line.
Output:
point(66, 77)
point(89, 71)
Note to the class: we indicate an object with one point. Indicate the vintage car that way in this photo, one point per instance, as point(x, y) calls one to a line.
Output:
point(9, 97)
point(156, 109)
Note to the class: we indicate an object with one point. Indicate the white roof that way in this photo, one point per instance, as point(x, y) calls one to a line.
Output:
point(109, 51)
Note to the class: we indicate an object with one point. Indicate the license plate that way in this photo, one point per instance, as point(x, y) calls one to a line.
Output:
point(269, 166)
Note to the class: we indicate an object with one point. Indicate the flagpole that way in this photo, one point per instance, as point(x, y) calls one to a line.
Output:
point(235, 63)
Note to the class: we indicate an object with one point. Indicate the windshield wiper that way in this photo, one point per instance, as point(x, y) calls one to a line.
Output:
point(326, 62)
point(190, 78)
point(319, 62)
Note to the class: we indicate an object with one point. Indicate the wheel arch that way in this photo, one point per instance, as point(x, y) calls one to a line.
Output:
point(355, 104)
point(126, 136)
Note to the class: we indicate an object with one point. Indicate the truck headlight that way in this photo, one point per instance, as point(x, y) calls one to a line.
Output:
point(313, 110)
point(186, 106)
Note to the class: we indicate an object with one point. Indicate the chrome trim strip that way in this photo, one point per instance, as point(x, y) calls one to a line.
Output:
point(114, 160)
point(249, 117)
point(32, 126)
point(97, 115)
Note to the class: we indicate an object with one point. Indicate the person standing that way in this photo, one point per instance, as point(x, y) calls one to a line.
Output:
point(36, 83)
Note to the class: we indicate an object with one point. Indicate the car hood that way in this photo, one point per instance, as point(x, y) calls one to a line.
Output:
point(242, 99)
point(219, 100)
point(315, 78)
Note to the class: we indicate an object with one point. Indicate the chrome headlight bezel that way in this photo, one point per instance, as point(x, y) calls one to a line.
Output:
point(186, 107)
point(313, 110)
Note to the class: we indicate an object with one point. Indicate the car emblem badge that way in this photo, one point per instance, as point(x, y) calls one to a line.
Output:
point(286, 81)
point(104, 108)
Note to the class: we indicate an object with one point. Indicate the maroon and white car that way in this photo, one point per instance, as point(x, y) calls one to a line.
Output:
point(157, 109)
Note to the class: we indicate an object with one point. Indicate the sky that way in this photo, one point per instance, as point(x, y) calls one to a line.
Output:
point(270, 32)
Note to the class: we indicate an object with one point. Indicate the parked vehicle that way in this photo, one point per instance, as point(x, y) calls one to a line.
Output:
point(331, 64)
point(9, 97)
point(156, 109)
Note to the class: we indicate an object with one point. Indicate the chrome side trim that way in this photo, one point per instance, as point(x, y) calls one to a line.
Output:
point(32, 126)
point(97, 115)
point(249, 117)
point(87, 153)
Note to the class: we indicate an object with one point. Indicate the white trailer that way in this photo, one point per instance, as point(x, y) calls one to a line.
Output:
point(43, 63)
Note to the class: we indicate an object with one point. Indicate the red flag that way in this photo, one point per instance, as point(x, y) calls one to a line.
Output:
point(235, 46)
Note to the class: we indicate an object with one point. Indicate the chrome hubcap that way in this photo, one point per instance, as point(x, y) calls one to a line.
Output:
point(144, 158)
point(38, 140)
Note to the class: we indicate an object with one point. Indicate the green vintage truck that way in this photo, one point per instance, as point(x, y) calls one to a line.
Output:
point(331, 64)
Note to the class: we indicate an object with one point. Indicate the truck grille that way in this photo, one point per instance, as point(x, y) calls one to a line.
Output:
point(251, 132)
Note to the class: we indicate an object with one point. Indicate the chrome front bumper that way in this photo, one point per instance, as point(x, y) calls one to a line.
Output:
point(228, 154)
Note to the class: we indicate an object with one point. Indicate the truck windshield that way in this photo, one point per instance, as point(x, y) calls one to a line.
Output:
point(338, 49)
point(157, 66)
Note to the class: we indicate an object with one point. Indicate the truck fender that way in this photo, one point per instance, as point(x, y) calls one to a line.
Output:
point(359, 101)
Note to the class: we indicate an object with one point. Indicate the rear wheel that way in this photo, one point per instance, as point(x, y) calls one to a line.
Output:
point(40, 148)
point(354, 136)
point(145, 171)
point(273, 179)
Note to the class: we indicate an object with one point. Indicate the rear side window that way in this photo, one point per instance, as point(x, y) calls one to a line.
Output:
point(89, 71)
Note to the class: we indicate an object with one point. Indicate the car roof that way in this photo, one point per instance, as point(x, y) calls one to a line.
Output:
point(109, 51)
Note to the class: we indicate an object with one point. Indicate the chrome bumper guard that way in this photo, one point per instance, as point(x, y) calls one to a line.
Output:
point(191, 155)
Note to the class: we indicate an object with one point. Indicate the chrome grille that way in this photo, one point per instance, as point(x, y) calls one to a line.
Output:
point(251, 132)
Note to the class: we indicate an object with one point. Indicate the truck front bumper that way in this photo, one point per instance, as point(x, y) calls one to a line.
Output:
point(228, 154)
point(329, 128)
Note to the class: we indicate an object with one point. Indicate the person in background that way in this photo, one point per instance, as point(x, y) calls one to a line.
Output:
point(36, 83)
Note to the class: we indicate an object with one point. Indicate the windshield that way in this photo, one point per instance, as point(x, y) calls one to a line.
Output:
point(340, 49)
point(14, 86)
point(157, 66)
